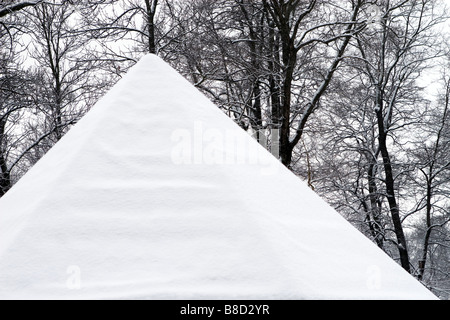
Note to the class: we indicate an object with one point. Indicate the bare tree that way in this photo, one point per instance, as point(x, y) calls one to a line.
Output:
point(299, 28)
point(17, 102)
point(124, 30)
point(67, 67)
point(431, 185)
point(14, 91)
point(347, 168)
point(394, 53)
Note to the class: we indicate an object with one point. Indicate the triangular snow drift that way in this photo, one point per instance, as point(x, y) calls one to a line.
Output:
point(156, 194)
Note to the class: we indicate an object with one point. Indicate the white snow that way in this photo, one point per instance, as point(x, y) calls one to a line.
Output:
point(156, 194)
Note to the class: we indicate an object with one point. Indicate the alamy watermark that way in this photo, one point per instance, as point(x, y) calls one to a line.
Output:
point(374, 278)
point(73, 281)
point(211, 146)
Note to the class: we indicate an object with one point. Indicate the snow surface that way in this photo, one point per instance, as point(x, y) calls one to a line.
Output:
point(156, 194)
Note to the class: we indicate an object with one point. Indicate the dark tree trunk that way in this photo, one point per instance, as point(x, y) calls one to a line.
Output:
point(273, 61)
point(150, 12)
point(58, 130)
point(285, 132)
point(274, 81)
point(390, 188)
point(257, 111)
point(5, 176)
point(426, 243)
point(375, 207)
point(254, 105)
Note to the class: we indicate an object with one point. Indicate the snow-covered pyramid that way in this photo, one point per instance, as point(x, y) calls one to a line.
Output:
point(156, 194)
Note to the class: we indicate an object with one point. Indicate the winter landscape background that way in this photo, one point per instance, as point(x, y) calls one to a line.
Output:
point(351, 95)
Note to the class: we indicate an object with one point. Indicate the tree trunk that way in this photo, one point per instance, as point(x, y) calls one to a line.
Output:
point(274, 86)
point(390, 188)
point(375, 207)
point(426, 243)
point(255, 57)
point(150, 12)
point(5, 176)
point(285, 133)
